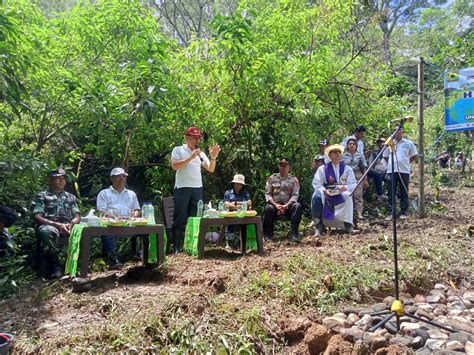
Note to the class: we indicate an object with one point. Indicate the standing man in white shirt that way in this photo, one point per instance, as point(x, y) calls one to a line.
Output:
point(187, 161)
point(358, 135)
point(405, 153)
point(113, 201)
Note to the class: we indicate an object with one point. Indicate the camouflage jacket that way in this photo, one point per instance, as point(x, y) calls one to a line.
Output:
point(59, 207)
point(282, 189)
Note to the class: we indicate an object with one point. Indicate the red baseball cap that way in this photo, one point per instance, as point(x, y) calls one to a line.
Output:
point(193, 131)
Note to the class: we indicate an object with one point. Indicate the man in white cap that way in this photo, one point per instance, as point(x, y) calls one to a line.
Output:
point(113, 201)
point(234, 198)
point(335, 181)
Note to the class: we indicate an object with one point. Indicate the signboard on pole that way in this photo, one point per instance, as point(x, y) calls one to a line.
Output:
point(459, 99)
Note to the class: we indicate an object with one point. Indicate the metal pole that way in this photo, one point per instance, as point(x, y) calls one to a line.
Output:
point(421, 150)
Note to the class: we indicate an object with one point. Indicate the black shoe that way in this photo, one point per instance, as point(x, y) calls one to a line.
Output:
point(113, 263)
point(56, 273)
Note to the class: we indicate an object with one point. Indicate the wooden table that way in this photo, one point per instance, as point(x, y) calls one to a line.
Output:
point(142, 231)
point(206, 222)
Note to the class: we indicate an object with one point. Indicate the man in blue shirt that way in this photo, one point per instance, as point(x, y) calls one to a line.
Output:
point(233, 199)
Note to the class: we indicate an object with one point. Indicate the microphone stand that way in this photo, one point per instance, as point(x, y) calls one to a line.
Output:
point(397, 309)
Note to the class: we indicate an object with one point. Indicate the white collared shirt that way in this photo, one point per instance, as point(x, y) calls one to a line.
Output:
point(190, 175)
point(110, 199)
point(405, 149)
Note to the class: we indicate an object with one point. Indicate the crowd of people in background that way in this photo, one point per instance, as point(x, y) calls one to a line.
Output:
point(339, 181)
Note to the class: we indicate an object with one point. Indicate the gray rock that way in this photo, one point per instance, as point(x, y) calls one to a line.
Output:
point(441, 287)
point(460, 323)
point(374, 342)
point(434, 344)
point(365, 322)
point(417, 343)
point(356, 310)
point(437, 334)
point(352, 318)
point(452, 299)
point(388, 300)
point(401, 340)
point(408, 302)
point(459, 336)
point(341, 316)
point(424, 314)
point(423, 351)
point(469, 296)
point(419, 298)
point(408, 328)
point(446, 352)
point(455, 312)
point(351, 334)
point(437, 298)
point(425, 306)
point(436, 292)
point(378, 307)
point(440, 310)
point(391, 327)
point(460, 305)
point(420, 333)
point(454, 345)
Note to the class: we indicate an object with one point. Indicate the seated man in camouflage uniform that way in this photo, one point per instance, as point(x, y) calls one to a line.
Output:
point(8, 216)
point(281, 193)
point(54, 212)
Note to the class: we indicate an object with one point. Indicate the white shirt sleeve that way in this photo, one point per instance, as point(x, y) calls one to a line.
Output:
point(412, 152)
point(319, 179)
point(135, 204)
point(102, 201)
point(175, 154)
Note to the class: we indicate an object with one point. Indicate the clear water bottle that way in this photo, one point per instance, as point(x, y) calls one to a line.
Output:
point(220, 208)
point(144, 210)
point(244, 206)
point(200, 208)
point(151, 213)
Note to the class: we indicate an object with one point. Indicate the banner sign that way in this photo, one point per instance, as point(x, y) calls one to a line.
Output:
point(459, 99)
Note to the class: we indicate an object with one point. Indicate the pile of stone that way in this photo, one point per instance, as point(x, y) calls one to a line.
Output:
point(442, 306)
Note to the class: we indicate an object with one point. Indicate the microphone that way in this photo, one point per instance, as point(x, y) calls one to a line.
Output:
point(197, 147)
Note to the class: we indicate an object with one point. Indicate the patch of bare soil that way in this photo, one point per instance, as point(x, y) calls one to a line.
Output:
point(50, 310)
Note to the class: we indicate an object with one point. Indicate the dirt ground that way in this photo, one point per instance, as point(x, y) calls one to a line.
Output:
point(48, 316)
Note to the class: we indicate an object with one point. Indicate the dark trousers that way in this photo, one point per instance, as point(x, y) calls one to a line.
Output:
point(403, 193)
point(185, 205)
point(378, 180)
point(294, 213)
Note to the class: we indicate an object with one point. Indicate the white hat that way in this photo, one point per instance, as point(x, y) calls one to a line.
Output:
point(239, 179)
point(118, 171)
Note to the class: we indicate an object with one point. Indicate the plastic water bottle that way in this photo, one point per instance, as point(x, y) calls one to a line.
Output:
point(144, 210)
point(220, 207)
point(244, 206)
point(151, 214)
point(200, 208)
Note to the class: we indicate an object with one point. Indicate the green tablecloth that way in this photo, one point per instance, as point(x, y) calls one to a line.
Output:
point(75, 244)
point(191, 236)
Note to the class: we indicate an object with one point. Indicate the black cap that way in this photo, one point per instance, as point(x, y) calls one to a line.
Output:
point(284, 161)
point(57, 172)
point(360, 128)
point(8, 216)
